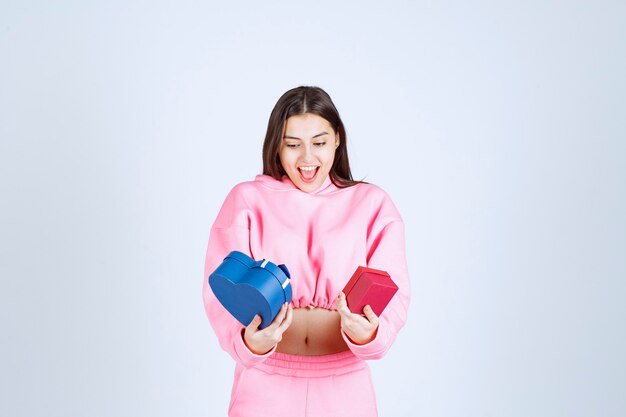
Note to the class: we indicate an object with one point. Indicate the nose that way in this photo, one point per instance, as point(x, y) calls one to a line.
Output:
point(308, 155)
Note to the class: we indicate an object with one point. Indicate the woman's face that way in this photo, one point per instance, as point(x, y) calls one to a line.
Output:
point(307, 150)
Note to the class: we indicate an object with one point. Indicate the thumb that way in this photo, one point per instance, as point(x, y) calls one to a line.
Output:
point(254, 324)
point(342, 305)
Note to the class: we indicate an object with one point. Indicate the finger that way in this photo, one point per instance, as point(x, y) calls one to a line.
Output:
point(285, 324)
point(279, 317)
point(370, 315)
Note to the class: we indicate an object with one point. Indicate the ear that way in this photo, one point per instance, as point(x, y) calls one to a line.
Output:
point(337, 140)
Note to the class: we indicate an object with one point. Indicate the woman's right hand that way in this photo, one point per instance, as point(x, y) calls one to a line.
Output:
point(262, 341)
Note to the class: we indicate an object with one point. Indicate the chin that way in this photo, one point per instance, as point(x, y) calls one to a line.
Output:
point(308, 187)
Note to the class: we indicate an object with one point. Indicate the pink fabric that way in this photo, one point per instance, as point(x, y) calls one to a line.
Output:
point(322, 237)
point(304, 386)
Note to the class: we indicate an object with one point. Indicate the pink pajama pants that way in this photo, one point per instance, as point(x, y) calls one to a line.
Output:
point(304, 386)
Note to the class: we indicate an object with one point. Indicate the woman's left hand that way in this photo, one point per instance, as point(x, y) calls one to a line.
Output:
point(360, 330)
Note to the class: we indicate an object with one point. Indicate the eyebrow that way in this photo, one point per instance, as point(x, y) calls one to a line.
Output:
point(295, 138)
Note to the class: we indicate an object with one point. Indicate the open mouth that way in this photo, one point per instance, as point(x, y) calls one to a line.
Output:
point(308, 174)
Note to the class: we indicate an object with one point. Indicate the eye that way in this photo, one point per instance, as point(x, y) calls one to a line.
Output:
point(291, 145)
point(320, 143)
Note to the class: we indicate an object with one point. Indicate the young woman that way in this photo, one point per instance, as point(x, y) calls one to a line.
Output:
point(305, 211)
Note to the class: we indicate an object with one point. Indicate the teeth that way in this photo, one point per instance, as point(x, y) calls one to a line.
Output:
point(307, 168)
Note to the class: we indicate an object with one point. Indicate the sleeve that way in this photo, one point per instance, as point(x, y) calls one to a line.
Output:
point(230, 231)
point(386, 250)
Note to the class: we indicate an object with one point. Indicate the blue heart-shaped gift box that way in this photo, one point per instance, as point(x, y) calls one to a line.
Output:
point(246, 287)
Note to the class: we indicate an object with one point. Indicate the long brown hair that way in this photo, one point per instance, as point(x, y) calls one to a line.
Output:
point(297, 101)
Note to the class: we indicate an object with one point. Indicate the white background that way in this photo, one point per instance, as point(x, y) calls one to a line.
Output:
point(496, 127)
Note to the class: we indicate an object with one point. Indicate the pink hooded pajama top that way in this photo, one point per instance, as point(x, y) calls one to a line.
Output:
point(322, 237)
